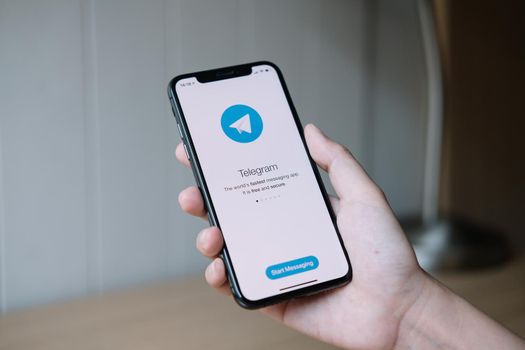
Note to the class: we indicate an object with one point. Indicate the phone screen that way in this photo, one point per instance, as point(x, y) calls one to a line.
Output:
point(275, 222)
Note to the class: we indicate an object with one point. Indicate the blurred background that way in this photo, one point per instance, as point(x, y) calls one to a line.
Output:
point(427, 95)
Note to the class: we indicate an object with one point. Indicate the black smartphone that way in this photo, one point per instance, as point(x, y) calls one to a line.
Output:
point(245, 143)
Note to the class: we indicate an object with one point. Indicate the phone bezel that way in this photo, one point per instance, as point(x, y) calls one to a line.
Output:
point(228, 73)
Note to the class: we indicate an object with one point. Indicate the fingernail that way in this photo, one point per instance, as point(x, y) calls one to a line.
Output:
point(216, 264)
point(211, 270)
point(201, 239)
point(208, 270)
point(318, 129)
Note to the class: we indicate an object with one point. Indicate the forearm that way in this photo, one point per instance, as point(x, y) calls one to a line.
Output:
point(439, 319)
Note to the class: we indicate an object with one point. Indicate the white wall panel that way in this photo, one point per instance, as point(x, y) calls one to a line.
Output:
point(3, 286)
point(92, 146)
point(89, 182)
point(133, 164)
point(42, 139)
point(398, 100)
point(182, 257)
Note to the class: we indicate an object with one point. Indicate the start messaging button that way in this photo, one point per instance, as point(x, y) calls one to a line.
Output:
point(292, 267)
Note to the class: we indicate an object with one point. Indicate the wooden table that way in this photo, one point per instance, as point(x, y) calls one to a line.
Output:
point(188, 315)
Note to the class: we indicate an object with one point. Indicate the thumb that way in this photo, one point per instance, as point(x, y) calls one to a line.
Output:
point(348, 178)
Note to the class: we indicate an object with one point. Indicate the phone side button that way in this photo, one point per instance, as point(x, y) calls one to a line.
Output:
point(180, 131)
point(186, 151)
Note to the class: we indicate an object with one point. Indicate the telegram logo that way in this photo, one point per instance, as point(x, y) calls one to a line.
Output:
point(241, 123)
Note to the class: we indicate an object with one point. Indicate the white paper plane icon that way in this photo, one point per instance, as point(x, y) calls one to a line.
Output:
point(242, 124)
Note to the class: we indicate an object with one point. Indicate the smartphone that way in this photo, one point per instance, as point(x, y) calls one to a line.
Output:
point(260, 186)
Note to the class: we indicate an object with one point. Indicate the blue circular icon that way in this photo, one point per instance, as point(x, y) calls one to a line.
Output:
point(241, 123)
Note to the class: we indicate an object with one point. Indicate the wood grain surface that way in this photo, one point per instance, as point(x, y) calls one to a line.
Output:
point(188, 315)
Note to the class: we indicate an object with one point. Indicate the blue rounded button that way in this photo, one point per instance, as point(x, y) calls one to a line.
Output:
point(241, 123)
point(292, 267)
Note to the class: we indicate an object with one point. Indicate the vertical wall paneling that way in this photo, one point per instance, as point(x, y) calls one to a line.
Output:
point(209, 34)
point(171, 39)
point(368, 52)
point(247, 46)
point(131, 95)
point(88, 179)
point(399, 105)
point(181, 228)
point(92, 150)
point(311, 47)
point(3, 301)
point(3, 95)
point(42, 151)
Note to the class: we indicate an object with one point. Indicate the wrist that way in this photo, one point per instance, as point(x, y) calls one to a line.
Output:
point(432, 320)
point(439, 319)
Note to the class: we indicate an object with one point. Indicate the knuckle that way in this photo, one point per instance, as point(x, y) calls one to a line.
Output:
point(378, 194)
point(341, 150)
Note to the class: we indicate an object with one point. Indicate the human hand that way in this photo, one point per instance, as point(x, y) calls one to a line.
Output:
point(387, 280)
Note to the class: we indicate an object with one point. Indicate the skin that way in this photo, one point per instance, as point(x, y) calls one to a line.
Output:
point(391, 302)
